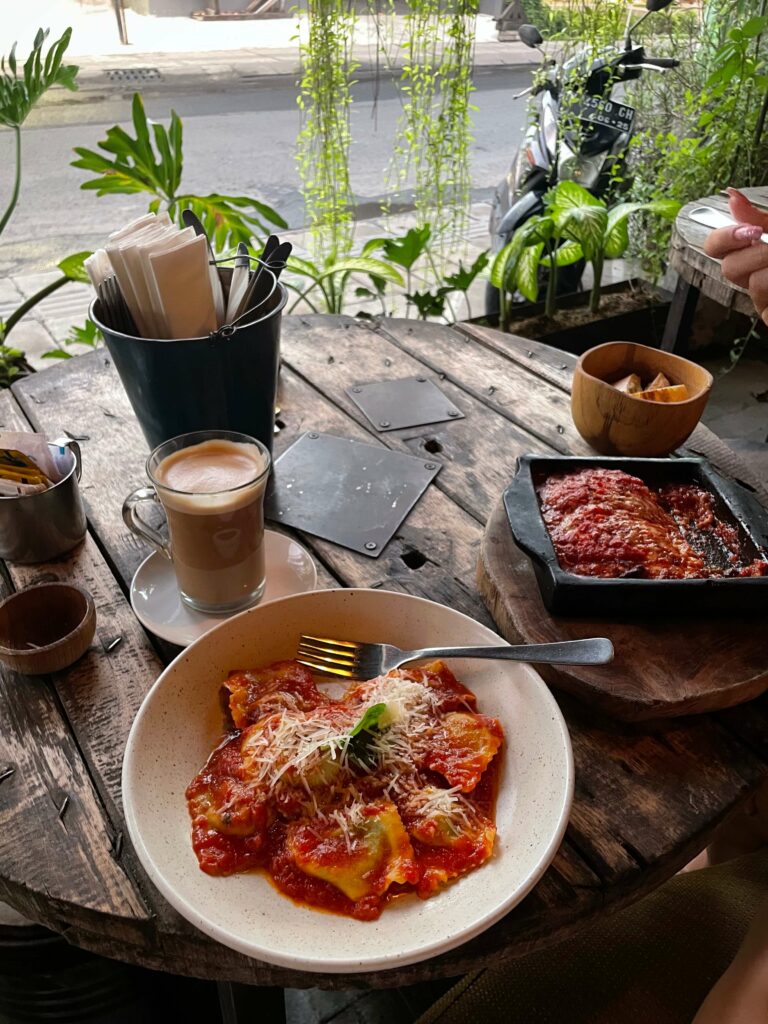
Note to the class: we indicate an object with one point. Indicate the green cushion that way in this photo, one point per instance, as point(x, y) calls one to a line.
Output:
point(654, 961)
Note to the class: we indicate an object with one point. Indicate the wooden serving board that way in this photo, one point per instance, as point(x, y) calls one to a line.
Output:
point(662, 668)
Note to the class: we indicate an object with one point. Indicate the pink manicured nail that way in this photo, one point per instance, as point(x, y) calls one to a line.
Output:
point(748, 232)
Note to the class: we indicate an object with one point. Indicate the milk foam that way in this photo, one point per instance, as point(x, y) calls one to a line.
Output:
point(211, 477)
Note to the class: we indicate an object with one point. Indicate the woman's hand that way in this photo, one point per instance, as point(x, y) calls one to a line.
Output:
point(744, 257)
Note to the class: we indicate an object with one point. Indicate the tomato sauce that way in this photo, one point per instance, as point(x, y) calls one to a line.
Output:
point(238, 825)
point(607, 523)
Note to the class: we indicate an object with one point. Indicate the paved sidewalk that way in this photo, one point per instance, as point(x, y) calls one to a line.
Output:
point(49, 323)
point(216, 70)
point(180, 53)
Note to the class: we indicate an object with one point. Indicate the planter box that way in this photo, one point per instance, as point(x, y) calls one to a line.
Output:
point(629, 311)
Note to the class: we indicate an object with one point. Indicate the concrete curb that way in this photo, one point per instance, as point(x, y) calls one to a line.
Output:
point(218, 71)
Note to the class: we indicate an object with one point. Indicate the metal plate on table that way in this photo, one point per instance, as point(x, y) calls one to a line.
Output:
point(350, 493)
point(410, 402)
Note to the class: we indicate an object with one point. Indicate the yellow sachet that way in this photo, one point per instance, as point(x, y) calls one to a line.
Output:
point(18, 467)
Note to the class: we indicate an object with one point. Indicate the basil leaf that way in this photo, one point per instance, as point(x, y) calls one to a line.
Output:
point(370, 720)
point(358, 747)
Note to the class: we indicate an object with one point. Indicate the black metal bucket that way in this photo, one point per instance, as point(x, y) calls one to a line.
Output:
point(227, 381)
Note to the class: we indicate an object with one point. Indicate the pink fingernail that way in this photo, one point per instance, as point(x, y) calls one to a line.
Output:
point(748, 232)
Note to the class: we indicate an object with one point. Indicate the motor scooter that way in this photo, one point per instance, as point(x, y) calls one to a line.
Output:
point(579, 130)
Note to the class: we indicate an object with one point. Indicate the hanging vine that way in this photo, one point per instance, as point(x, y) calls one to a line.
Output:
point(323, 143)
point(432, 150)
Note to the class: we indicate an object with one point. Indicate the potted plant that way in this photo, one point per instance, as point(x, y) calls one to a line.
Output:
point(575, 227)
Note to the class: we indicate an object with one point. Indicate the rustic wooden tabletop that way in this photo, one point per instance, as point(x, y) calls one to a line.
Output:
point(647, 797)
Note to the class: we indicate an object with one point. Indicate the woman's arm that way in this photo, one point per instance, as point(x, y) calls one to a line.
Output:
point(741, 994)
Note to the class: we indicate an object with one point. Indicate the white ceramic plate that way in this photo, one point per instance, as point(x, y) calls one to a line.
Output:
point(157, 603)
point(180, 721)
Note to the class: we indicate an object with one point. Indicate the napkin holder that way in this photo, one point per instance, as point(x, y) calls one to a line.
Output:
point(226, 381)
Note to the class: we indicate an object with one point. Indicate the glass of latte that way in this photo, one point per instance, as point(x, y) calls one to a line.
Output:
point(211, 486)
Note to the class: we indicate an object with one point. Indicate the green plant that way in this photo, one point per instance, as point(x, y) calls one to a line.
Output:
point(596, 23)
point(407, 250)
point(330, 278)
point(549, 20)
point(574, 226)
point(325, 99)
point(432, 149)
point(13, 365)
point(71, 268)
point(703, 127)
point(18, 95)
point(87, 336)
point(151, 161)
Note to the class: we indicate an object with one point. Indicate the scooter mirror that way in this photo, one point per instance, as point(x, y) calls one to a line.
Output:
point(657, 5)
point(531, 36)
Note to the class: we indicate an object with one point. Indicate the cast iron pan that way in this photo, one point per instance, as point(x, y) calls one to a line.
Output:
point(569, 594)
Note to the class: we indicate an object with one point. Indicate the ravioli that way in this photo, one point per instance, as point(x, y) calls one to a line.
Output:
point(470, 743)
point(361, 850)
point(350, 802)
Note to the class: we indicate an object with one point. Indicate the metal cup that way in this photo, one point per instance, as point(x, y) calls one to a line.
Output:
point(38, 527)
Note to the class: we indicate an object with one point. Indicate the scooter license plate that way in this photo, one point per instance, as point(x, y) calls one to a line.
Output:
point(597, 110)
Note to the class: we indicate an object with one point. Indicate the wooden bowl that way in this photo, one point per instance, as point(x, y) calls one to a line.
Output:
point(618, 424)
point(46, 627)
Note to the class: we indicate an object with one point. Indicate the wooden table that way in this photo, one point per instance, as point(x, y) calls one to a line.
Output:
point(699, 274)
point(647, 799)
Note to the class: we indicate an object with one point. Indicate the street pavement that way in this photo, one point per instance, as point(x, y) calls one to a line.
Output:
point(241, 141)
point(235, 87)
point(179, 53)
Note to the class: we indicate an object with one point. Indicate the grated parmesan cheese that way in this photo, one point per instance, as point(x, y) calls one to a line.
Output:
point(309, 749)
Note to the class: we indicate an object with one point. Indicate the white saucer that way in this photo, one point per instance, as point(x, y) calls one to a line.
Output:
point(155, 594)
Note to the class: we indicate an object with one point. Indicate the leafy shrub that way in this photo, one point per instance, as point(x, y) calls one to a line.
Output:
point(152, 162)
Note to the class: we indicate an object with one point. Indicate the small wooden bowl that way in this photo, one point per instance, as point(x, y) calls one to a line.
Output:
point(618, 424)
point(46, 628)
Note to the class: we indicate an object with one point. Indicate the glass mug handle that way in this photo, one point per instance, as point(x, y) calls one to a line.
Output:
point(136, 524)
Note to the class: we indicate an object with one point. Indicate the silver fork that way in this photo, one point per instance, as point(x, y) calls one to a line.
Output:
point(354, 660)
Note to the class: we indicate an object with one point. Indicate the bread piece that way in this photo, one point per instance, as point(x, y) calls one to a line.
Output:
point(630, 384)
point(659, 381)
point(674, 393)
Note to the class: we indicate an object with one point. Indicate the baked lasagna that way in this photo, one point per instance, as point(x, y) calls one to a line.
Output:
point(605, 522)
point(348, 802)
